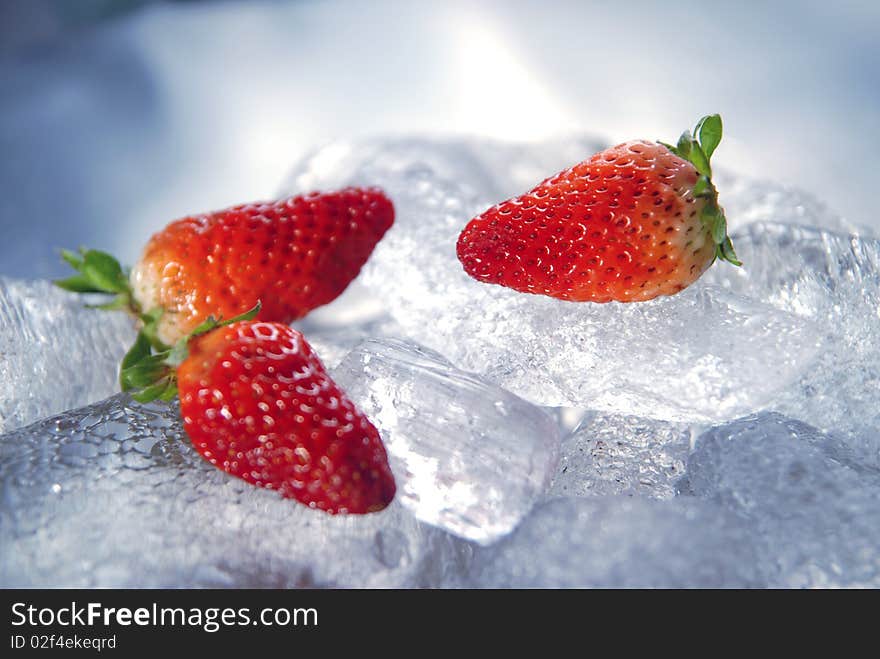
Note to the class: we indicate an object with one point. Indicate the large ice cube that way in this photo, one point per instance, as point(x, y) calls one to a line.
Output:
point(467, 455)
point(831, 281)
point(113, 495)
point(54, 353)
point(610, 454)
point(704, 354)
point(616, 542)
point(814, 507)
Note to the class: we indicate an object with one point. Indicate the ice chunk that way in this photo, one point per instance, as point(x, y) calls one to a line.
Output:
point(832, 282)
point(467, 455)
point(611, 454)
point(809, 271)
point(54, 353)
point(814, 507)
point(113, 495)
point(704, 354)
point(615, 542)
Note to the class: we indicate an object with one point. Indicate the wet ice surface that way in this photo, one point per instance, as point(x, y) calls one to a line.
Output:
point(612, 454)
point(54, 353)
point(728, 436)
point(467, 455)
point(708, 346)
point(813, 507)
point(113, 495)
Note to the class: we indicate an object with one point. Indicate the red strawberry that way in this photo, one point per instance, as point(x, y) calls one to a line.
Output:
point(294, 255)
point(635, 221)
point(257, 403)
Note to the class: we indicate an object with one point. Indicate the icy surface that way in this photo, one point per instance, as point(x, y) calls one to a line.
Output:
point(611, 454)
point(831, 281)
point(615, 542)
point(705, 354)
point(813, 507)
point(467, 456)
point(54, 353)
point(112, 495)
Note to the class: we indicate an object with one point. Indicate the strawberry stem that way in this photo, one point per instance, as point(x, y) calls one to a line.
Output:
point(150, 375)
point(698, 151)
point(99, 272)
point(148, 368)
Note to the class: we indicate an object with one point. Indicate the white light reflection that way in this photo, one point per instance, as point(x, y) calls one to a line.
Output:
point(497, 94)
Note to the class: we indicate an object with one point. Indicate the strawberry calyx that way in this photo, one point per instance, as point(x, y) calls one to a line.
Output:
point(99, 272)
point(697, 148)
point(150, 373)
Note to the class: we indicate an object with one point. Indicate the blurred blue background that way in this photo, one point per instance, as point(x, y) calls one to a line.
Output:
point(119, 116)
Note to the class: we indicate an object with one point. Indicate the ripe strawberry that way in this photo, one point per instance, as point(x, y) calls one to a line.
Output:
point(635, 221)
point(294, 254)
point(257, 403)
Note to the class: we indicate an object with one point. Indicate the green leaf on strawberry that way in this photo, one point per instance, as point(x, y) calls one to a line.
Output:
point(698, 151)
point(709, 131)
point(98, 272)
point(150, 375)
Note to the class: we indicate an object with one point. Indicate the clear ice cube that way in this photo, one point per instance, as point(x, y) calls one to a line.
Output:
point(704, 354)
point(812, 505)
point(113, 495)
point(55, 354)
point(468, 456)
point(620, 542)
